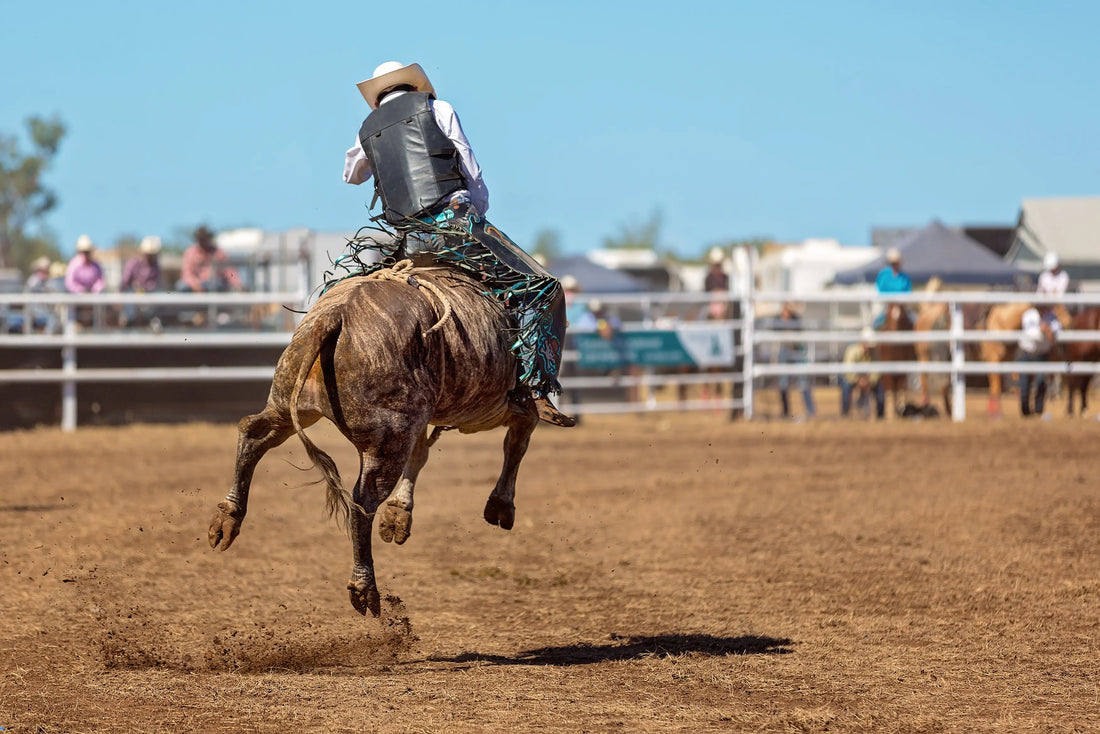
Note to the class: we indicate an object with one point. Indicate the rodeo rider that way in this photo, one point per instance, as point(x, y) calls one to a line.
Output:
point(425, 173)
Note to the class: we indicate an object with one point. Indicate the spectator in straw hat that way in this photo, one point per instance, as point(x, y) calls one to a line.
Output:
point(39, 279)
point(141, 273)
point(84, 274)
point(864, 385)
point(42, 317)
point(891, 279)
point(427, 177)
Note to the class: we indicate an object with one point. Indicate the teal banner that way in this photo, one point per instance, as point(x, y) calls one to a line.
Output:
point(686, 347)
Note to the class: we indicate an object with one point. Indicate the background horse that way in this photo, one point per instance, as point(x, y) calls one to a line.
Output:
point(383, 358)
point(1087, 320)
point(930, 317)
point(897, 320)
point(1007, 317)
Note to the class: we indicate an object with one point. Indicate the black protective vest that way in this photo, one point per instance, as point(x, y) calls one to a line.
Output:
point(415, 164)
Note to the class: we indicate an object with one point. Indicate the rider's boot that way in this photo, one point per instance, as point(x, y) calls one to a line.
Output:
point(549, 413)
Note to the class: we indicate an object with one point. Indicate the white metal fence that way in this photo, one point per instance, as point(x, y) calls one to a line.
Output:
point(626, 390)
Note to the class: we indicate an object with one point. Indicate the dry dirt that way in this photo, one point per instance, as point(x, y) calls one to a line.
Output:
point(666, 573)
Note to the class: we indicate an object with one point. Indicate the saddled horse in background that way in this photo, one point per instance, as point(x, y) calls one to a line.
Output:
point(383, 358)
point(897, 319)
point(1007, 317)
point(1087, 320)
point(932, 316)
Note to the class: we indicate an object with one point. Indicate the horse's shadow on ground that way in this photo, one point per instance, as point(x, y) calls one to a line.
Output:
point(630, 647)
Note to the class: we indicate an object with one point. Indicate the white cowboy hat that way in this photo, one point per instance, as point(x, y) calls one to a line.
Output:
point(150, 245)
point(716, 256)
point(1050, 260)
point(84, 243)
point(42, 263)
point(391, 74)
point(893, 255)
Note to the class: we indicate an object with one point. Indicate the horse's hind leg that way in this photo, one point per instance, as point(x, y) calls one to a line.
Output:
point(395, 519)
point(258, 434)
point(500, 509)
point(380, 467)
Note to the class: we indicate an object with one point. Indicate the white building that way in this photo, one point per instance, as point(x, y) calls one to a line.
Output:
point(809, 266)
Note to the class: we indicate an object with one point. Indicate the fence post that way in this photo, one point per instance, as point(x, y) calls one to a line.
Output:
point(958, 359)
point(748, 330)
point(68, 364)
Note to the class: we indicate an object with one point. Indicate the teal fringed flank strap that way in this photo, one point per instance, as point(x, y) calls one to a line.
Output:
point(458, 237)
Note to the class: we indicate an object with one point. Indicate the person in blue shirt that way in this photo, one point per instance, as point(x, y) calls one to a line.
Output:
point(891, 279)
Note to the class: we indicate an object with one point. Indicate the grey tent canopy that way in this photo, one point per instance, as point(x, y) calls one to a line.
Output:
point(937, 250)
point(595, 278)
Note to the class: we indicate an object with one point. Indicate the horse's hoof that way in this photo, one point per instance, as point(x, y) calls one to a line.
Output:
point(499, 512)
point(394, 524)
point(225, 526)
point(364, 598)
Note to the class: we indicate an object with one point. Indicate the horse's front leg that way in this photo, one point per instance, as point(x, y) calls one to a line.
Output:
point(258, 434)
point(500, 509)
point(395, 519)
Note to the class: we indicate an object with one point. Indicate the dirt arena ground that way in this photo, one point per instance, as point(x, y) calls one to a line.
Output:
point(666, 573)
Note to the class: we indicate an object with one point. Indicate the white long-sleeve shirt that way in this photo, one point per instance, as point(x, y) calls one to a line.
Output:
point(1052, 284)
point(357, 167)
point(1035, 341)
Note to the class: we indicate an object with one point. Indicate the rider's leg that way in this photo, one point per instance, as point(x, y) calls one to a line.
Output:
point(523, 285)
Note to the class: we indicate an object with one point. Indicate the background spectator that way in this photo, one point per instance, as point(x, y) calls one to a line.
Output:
point(793, 353)
point(574, 307)
point(206, 267)
point(717, 282)
point(596, 318)
point(39, 279)
point(141, 274)
point(42, 317)
point(1053, 281)
point(1040, 327)
point(84, 274)
point(891, 279)
point(863, 385)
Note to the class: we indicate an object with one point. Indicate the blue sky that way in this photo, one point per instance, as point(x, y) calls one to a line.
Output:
point(733, 119)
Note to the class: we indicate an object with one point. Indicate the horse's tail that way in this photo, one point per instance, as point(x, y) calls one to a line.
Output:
point(327, 329)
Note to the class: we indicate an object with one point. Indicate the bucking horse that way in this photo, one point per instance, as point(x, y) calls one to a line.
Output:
point(384, 357)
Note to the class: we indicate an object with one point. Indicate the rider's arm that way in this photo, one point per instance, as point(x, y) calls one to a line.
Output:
point(448, 122)
point(356, 166)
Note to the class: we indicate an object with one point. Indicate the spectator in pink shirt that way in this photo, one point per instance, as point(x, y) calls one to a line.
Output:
point(206, 267)
point(84, 274)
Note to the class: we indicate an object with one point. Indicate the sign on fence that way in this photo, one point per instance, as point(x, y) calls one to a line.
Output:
point(687, 347)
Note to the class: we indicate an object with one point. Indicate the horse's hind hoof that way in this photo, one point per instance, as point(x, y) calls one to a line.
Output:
point(499, 512)
point(364, 598)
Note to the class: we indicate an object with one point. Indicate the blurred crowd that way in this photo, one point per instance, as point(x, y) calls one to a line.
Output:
point(205, 268)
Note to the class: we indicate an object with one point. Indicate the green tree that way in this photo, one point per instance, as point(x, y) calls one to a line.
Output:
point(24, 199)
point(642, 236)
point(547, 244)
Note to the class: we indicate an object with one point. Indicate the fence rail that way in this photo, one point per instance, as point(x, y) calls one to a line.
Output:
point(634, 389)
